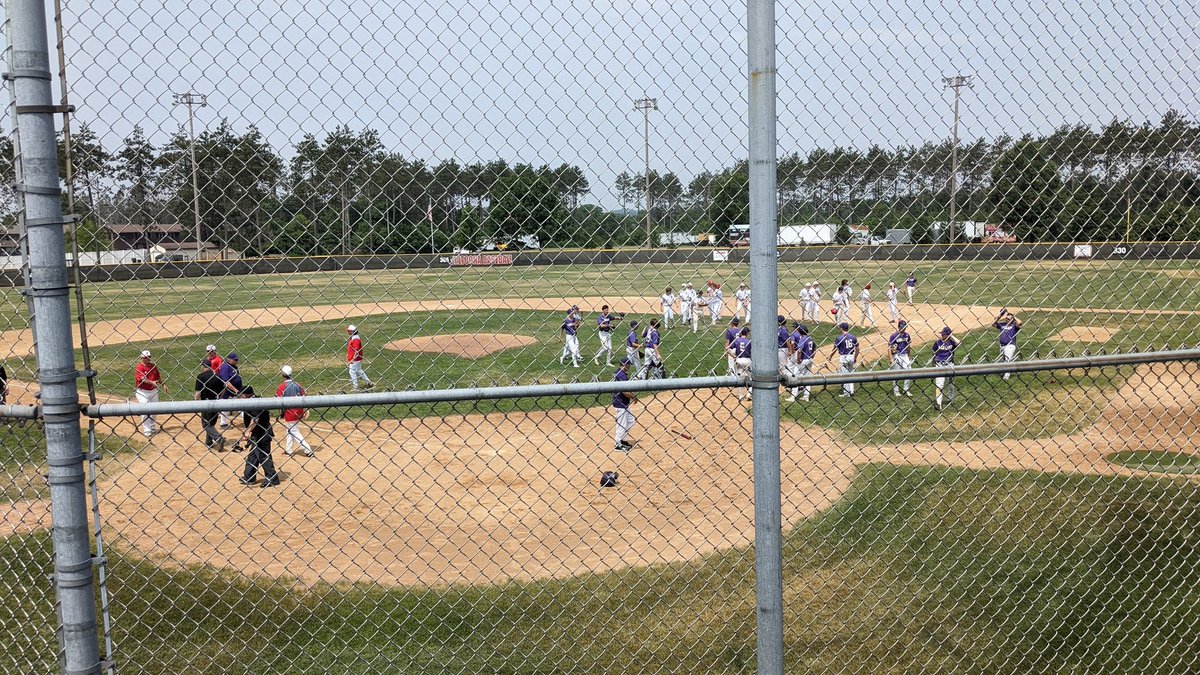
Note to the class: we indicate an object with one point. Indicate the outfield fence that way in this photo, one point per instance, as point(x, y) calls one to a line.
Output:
point(632, 455)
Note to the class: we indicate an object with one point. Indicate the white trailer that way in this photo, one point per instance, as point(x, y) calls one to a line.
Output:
point(802, 235)
point(677, 239)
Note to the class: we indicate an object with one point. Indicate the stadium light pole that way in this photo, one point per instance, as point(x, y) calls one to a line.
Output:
point(646, 105)
point(956, 82)
point(192, 100)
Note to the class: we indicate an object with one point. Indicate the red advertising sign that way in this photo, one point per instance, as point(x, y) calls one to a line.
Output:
point(481, 259)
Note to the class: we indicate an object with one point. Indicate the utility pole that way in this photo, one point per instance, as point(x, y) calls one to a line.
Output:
point(191, 100)
point(956, 82)
point(646, 105)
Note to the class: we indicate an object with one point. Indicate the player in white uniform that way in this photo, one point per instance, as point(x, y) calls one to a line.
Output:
point(893, 308)
point(805, 299)
point(685, 304)
point(816, 301)
point(841, 305)
point(864, 299)
point(742, 295)
point(715, 300)
point(667, 300)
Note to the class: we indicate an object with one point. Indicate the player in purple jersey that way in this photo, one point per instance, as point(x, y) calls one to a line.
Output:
point(845, 350)
point(633, 345)
point(900, 347)
point(570, 331)
point(604, 327)
point(731, 334)
point(652, 366)
point(739, 350)
point(1009, 325)
point(910, 286)
point(781, 339)
point(802, 349)
point(620, 403)
point(943, 355)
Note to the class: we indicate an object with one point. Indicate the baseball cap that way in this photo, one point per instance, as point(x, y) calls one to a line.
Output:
point(145, 353)
point(781, 319)
point(844, 326)
point(210, 348)
point(946, 330)
point(735, 321)
point(351, 328)
point(625, 361)
point(803, 329)
point(633, 324)
point(286, 370)
point(902, 324)
point(232, 356)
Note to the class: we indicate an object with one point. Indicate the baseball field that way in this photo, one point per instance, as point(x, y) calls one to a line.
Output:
point(987, 536)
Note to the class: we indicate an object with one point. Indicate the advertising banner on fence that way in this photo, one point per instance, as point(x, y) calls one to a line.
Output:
point(480, 259)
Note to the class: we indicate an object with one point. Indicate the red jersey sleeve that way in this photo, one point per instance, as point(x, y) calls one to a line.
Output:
point(354, 349)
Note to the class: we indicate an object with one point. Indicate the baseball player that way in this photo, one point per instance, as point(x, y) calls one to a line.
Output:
point(147, 381)
point(1008, 325)
point(354, 359)
point(633, 345)
point(893, 310)
point(739, 351)
point(654, 360)
point(943, 355)
point(841, 305)
point(782, 335)
point(900, 347)
point(715, 300)
point(258, 435)
point(910, 286)
point(803, 349)
point(620, 403)
point(233, 383)
point(667, 300)
point(213, 358)
point(208, 388)
point(3, 385)
point(731, 334)
point(805, 299)
point(864, 299)
point(816, 301)
point(686, 298)
point(845, 349)
point(604, 328)
point(570, 331)
point(292, 416)
point(742, 296)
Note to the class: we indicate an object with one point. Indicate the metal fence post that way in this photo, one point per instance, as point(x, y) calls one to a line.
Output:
point(768, 533)
point(39, 190)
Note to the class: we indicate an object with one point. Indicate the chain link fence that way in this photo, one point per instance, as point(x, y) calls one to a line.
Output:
point(498, 261)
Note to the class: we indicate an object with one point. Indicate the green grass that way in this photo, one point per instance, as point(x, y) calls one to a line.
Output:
point(317, 351)
point(1159, 461)
point(915, 570)
point(1069, 284)
point(23, 459)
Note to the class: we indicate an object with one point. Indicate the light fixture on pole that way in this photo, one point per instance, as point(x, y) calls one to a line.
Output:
point(956, 82)
point(646, 105)
point(193, 100)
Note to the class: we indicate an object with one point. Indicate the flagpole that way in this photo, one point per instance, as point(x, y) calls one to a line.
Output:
point(429, 213)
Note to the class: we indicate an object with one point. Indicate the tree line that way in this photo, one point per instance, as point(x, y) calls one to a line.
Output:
point(345, 192)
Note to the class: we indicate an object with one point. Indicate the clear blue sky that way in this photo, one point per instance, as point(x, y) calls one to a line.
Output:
point(543, 82)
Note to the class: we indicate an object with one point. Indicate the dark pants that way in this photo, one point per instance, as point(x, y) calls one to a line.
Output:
point(260, 455)
point(208, 421)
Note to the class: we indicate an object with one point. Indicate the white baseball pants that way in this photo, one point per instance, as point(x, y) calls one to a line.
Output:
point(668, 315)
point(714, 310)
point(571, 348)
point(802, 368)
point(147, 396)
point(624, 425)
point(1008, 353)
point(357, 373)
point(846, 365)
point(605, 348)
point(294, 437)
point(901, 362)
point(635, 362)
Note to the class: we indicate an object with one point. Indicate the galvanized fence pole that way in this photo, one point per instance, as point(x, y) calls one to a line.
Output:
point(48, 289)
point(768, 534)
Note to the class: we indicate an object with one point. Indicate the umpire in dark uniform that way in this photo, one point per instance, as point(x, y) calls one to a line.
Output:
point(259, 435)
point(208, 388)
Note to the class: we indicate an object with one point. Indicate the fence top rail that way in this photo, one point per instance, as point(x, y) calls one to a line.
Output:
point(388, 398)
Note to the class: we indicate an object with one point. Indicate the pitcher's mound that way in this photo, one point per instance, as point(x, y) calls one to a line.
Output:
point(1084, 334)
point(462, 345)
